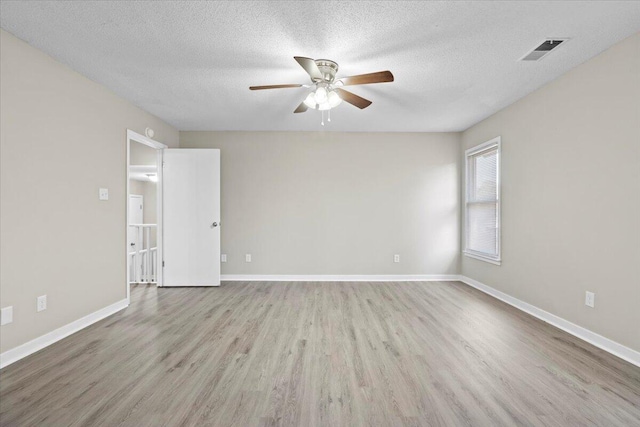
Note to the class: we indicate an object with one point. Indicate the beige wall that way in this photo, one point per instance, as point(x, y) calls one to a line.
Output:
point(136, 187)
point(149, 192)
point(140, 154)
point(571, 195)
point(337, 203)
point(58, 239)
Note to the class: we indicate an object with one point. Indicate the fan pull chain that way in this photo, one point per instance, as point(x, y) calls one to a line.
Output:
point(329, 114)
point(322, 122)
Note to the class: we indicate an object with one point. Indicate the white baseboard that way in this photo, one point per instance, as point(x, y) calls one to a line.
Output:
point(584, 334)
point(15, 354)
point(339, 278)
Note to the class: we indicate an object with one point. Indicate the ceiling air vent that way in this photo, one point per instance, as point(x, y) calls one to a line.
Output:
point(541, 51)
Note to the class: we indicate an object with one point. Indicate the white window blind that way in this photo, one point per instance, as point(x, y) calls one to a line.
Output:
point(482, 207)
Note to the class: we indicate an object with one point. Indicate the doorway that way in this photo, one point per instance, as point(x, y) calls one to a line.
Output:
point(142, 234)
point(136, 216)
point(144, 211)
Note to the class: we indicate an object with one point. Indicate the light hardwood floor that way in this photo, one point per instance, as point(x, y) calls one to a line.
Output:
point(320, 354)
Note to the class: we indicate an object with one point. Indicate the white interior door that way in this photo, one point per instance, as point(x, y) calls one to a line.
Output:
point(191, 217)
point(136, 215)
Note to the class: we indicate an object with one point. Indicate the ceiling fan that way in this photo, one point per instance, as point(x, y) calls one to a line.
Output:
point(327, 92)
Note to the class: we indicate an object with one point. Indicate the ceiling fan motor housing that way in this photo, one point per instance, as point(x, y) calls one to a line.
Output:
point(328, 69)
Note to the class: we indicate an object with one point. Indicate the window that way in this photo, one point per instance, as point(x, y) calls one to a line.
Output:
point(482, 202)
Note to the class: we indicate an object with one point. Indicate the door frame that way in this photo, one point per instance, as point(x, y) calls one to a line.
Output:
point(158, 146)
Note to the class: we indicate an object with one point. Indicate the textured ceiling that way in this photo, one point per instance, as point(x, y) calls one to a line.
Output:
point(191, 63)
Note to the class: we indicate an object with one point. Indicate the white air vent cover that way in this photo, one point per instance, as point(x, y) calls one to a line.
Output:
point(542, 50)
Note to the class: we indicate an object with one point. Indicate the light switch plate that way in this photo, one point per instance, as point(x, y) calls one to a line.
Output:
point(223, 258)
point(247, 258)
point(396, 258)
point(6, 315)
point(103, 194)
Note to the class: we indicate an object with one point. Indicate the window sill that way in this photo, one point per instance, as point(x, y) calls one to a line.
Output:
point(483, 258)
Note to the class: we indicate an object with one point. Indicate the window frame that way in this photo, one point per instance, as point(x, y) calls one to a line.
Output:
point(468, 154)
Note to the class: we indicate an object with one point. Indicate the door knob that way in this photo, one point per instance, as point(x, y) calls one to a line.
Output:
point(215, 224)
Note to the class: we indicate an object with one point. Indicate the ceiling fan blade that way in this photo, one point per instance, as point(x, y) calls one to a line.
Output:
point(310, 67)
point(301, 108)
point(353, 99)
point(273, 87)
point(365, 79)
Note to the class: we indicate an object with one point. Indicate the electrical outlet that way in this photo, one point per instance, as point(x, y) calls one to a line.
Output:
point(103, 194)
point(590, 299)
point(247, 258)
point(223, 258)
point(42, 303)
point(6, 315)
point(396, 258)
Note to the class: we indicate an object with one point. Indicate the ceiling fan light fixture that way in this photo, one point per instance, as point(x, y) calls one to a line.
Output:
point(333, 99)
point(326, 92)
point(310, 100)
point(321, 95)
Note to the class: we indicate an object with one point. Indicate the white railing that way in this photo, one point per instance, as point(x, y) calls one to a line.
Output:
point(143, 261)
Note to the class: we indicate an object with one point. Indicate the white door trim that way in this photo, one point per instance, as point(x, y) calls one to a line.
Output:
point(158, 146)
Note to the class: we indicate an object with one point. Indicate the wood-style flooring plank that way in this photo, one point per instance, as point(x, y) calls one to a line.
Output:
point(320, 354)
